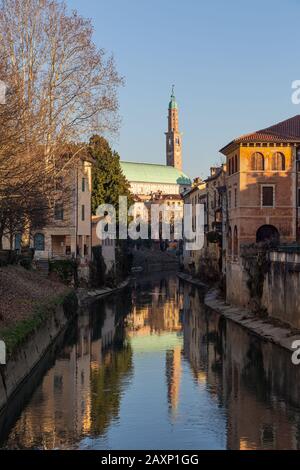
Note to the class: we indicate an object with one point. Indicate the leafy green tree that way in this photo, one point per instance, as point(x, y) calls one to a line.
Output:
point(109, 181)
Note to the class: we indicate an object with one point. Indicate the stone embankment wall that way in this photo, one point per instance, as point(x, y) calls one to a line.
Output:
point(237, 291)
point(22, 362)
point(155, 261)
point(280, 289)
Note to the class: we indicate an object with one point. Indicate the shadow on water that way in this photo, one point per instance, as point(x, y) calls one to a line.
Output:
point(154, 368)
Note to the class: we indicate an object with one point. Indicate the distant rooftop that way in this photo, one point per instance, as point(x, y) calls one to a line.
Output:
point(152, 173)
point(284, 131)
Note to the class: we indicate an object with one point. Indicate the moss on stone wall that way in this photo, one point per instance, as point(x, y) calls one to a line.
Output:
point(256, 264)
point(15, 335)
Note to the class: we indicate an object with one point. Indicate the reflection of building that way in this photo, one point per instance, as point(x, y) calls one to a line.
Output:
point(257, 375)
point(74, 398)
point(199, 345)
point(156, 326)
point(161, 316)
point(253, 381)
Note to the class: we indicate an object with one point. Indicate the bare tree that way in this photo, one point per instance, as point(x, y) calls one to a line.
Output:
point(61, 89)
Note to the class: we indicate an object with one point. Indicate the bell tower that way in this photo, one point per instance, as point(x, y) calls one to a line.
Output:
point(173, 136)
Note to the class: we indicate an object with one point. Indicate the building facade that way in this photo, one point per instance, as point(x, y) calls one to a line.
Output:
point(68, 232)
point(263, 196)
point(147, 180)
point(211, 193)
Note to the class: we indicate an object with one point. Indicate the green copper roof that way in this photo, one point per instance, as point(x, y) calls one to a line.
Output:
point(173, 103)
point(151, 173)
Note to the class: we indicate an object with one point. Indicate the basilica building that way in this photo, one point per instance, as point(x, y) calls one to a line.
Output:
point(149, 181)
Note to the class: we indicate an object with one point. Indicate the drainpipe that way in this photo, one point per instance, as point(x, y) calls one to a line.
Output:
point(76, 224)
point(296, 186)
point(90, 183)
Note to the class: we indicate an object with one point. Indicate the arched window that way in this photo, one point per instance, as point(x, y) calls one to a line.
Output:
point(235, 241)
point(278, 161)
point(257, 162)
point(39, 242)
point(229, 241)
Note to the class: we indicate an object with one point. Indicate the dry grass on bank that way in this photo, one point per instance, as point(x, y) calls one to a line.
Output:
point(21, 291)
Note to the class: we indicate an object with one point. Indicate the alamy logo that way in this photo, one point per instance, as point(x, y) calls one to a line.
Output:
point(154, 221)
point(2, 353)
point(296, 354)
point(3, 89)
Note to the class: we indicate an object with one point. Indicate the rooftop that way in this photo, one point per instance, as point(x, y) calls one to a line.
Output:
point(152, 173)
point(284, 131)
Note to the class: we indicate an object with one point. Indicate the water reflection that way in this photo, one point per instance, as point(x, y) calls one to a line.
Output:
point(80, 395)
point(254, 380)
point(153, 368)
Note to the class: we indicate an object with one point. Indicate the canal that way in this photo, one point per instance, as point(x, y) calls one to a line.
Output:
point(152, 368)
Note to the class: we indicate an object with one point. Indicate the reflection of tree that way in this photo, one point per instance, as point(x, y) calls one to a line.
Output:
point(253, 373)
point(120, 305)
point(106, 388)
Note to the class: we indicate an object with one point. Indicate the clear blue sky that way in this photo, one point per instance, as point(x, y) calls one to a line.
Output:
point(232, 63)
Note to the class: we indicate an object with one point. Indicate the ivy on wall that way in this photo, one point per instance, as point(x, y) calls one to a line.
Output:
point(256, 264)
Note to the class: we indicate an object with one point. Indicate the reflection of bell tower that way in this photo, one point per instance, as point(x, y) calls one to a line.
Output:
point(173, 373)
point(174, 155)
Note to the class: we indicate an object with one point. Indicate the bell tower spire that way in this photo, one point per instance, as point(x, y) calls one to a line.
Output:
point(173, 136)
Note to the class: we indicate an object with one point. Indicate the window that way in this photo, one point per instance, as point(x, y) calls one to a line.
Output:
point(83, 213)
point(229, 199)
point(268, 196)
point(298, 197)
point(278, 161)
point(39, 242)
point(257, 162)
point(83, 185)
point(235, 197)
point(58, 211)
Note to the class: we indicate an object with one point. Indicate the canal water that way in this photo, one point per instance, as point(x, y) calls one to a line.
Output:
point(151, 368)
